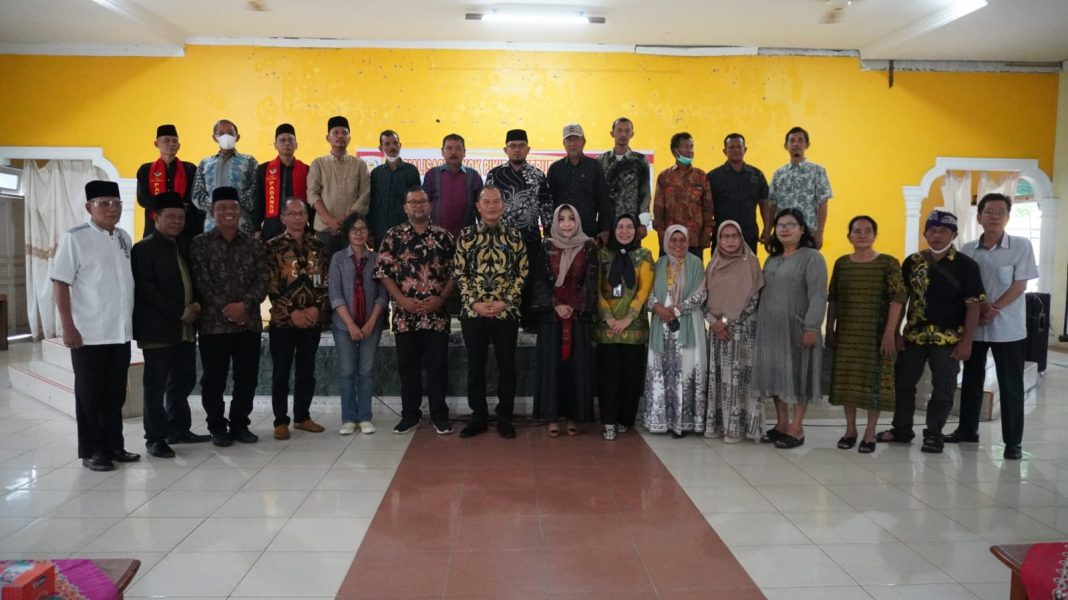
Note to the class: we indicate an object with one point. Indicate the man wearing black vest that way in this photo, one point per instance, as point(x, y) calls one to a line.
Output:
point(168, 174)
point(281, 178)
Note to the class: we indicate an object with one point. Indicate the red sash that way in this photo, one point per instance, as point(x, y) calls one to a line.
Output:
point(157, 180)
point(272, 185)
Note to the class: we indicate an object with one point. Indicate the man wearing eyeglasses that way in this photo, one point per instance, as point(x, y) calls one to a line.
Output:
point(94, 290)
point(296, 266)
point(1006, 263)
point(278, 179)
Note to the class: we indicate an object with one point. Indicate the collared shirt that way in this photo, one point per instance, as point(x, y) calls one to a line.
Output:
point(237, 171)
point(683, 197)
point(343, 287)
point(491, 264)
point(96, 266)
point(736, 195)
point(388, 189)
point(296, 277)
point(342, 184)
point(938, 297)
point(421, 264)
point(452, 196)
point(526, 198)
point(803, 186)
point(1010, 260)
point(629, 185)
point(584, 187)
point(225, 272)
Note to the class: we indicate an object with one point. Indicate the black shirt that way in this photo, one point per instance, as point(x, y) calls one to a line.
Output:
point(270, 227)
point(584, 187)
point(939, 296)
point(194, 217)
point(735, 196)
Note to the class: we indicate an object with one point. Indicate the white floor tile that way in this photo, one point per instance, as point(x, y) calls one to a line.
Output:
point(262, 503)
point(69, 478)
point(216, 574)
point(839, 527)
point(756, 529)
point(854, 592)
point(52, 534)
point(272, 575)
point(364, 480)
point(286, 478)
point(884, 564)
point(941, 591)
point(183, 503)
point(921, 526)
point(881, 496)
point(705, 476)
point(1003, 525)
point(338, 503)
point(214, 479)
point(803, 498)
point(144, 535)
point(990, 591)
point(9, 525)
point(320, 534)
point(728, 499)
point(104, 503)
point(232, 534)
point(791, 566)
point(966, 562)
point(33, 503)
point(774, 475)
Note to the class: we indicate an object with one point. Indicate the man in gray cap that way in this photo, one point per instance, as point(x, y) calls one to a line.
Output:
point(945, 291)
point(339, 184)
point(168, 174)
point(579, 180)
point(94, 291)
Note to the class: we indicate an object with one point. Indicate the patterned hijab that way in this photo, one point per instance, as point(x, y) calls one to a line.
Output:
point(732, 278)
point(568, 247)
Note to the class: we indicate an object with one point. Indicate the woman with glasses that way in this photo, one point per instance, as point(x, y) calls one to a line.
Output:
point(788, 351)
point(733, 279)
point(864, 306)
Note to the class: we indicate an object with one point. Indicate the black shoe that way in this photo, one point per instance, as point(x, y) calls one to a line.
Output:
point(1013, 452)
point(506, 429)
point(405, 427)
point(221, 439)
point(98, 462)
point(958, 436)
point(866, 447)
point(932, 444)
point(443, 428)
point(771, 436)
point(473, 429)
point(244, 436)
point(124, 456)
point(160, 450)
point(788, 441)
point(188, 437)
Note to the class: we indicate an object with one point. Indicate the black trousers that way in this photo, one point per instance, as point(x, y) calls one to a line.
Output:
point(479, 333)
point(335, 241)
point(1009, 366)
point(621, 379)
point(907, 373)
point(291, 345)
point(99, 393)
point(170, 376)
point(216, 352)
point(418, 350)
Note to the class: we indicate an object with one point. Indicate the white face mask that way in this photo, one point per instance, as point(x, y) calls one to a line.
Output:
point(942, 251)
point(392, 159)
point(226, 141)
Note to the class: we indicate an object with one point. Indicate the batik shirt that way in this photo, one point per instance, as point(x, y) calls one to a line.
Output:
point(938, 297)
point(491, 264)
point(237, 171)
point(526, 198)
point(683, 198)
point(296, 277)
point(421, 266)
point(225, 272)
point(803, 186)
point(628, 182)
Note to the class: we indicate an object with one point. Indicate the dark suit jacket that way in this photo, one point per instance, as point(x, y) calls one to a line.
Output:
point(194, 217)
point(159, 298)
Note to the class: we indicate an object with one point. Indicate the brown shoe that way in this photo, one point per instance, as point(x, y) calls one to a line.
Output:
point(281, 432)
point(309, 425)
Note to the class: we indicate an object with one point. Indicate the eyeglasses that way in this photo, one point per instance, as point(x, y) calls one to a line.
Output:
point(730, 236)
point(358, 229)
point(418, 202)
point(295, 213)
point(108, 203)
point(787, 225)
point(995, 213)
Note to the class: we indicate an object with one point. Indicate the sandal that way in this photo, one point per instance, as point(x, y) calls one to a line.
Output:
point(788, 441)
point(609, 432)
point(932, 444)
point(572, 429)
point(771, 436)
point(890, 436)
point(845, 443)
point(866, 447)
point(554, 430)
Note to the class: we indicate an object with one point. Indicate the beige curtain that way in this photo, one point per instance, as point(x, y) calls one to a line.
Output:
point(55, 202)
point(957, 198)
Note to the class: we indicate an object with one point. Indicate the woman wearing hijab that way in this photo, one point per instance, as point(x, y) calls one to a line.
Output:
point(622, 330)
point(733, 279)
point(565, 300)
point(675, 382)
point(788, 355)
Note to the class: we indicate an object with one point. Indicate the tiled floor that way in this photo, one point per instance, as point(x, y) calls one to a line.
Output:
point(284, 519)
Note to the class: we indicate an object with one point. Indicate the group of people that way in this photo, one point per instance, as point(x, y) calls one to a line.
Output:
point(336, 246)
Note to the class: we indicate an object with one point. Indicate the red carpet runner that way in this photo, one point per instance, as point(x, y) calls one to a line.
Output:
point(539, 518)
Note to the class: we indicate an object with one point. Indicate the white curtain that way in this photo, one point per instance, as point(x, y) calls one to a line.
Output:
point(957, 198)
point(1006, 185)
point(55, 202)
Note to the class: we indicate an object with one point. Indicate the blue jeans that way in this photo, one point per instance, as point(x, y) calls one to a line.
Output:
point(356, 364)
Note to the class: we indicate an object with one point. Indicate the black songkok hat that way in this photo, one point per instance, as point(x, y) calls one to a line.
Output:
point(285, 128)
point(101, 189)
point(941, 218)
point(337, 121)
point(224, 193)
point(167, 200)
point(163, 130)
point(515, 135)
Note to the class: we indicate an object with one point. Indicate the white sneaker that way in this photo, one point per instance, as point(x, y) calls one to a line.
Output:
point(347, 429)
point(621, 429)
point(367, 427)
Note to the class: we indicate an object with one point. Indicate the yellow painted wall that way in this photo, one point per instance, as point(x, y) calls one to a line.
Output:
point(871, 138)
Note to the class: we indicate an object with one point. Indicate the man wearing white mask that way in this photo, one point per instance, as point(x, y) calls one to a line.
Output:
point(227, 168)
point(390, 182)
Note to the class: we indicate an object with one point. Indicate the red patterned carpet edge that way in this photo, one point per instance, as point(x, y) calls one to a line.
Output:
point(538, 518)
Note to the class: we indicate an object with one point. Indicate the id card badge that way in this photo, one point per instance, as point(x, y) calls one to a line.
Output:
point(617, 291)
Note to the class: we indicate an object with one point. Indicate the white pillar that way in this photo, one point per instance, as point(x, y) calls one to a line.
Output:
point(914, 197)
point(1050, 207)
point(128, 193)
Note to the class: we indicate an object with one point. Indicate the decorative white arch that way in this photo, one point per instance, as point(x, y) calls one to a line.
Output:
point(127, 186)
point(1026, 167)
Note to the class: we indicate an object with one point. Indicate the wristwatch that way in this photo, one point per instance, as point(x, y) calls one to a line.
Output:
point(676, 311)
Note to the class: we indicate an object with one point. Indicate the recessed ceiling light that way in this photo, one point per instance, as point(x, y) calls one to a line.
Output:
point(534, 17)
